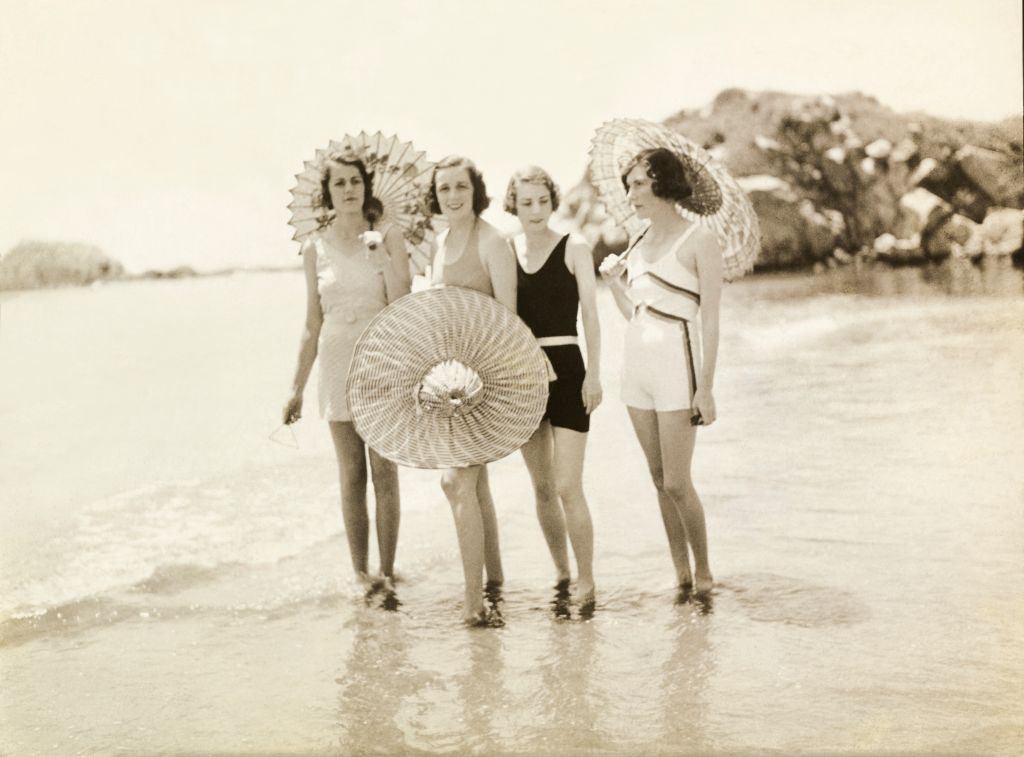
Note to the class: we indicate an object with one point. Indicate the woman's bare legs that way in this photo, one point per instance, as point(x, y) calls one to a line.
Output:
point(554, 458)
point(460, 487)
point(539, 458)
point(350, 451)
point(569, 449)
point(386, 494)
point(492, 547)
point(645, 424)
point(677, 438)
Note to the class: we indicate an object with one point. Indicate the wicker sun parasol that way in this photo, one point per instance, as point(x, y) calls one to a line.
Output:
point(447, 378)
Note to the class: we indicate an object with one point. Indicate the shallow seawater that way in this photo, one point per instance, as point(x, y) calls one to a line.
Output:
point(173, 581)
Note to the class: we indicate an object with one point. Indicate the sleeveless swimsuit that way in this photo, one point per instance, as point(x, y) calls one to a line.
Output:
point(547, 301)
point(467, 270)
point(351, 289)
point(662, 354)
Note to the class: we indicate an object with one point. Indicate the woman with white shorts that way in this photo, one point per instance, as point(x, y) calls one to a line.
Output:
point(672, 275)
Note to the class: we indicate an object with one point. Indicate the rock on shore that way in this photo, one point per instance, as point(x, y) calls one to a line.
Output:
point(36, 264)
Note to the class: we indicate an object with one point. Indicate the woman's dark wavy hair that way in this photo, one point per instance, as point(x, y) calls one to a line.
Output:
point(666, 171)
point(480, 199)
point(530, 175)
point(372, 207)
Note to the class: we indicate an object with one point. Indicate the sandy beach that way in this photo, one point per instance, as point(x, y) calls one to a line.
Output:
point(171, 581)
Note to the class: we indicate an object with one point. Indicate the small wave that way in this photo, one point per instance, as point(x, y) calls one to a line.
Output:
point(73, 617)
point(163, 537)
point(769, 598)
point(170, 579)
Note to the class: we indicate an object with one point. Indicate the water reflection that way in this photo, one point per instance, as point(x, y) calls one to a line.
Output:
point(571, 704)
point(494, 601)
point(685, 677)
point(378, 678)
point(561, 605)
point(482, 695)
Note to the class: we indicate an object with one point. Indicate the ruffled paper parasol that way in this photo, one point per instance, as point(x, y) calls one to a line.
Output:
point(400, 173)
point(718, 202)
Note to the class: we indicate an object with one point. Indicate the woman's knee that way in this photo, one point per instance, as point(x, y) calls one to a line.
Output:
point(545, 493)
point(353, 477)
point(658, 477)
point(569, 490)
point(383, 471)
point(678, 488)
point(456, 485)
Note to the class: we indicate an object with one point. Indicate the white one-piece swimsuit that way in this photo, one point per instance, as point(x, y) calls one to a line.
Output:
point(662, 354)
point(351, 288)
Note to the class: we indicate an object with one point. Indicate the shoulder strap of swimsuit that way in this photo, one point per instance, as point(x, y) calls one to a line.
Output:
point(682, 238)
point(635, 242)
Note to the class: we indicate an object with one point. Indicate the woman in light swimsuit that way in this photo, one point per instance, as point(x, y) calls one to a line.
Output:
point(347, 283)
point(673, 269)
point(471, 253)
point(555, 281)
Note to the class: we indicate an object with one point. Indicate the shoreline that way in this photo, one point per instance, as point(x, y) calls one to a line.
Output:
point(856, 267)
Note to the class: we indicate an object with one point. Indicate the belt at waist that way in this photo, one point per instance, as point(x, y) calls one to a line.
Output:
point(644, 308)
point(557, 341)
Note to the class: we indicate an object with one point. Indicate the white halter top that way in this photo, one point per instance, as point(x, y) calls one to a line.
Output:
point(664, 287)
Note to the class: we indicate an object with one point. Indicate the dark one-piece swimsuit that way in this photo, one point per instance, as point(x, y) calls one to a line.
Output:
point(548, 301)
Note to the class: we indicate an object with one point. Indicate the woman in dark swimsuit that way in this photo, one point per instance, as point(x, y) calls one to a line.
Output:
point(555, 280)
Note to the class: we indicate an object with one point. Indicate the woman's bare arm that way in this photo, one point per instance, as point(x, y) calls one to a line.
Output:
point(582, 268)
point(310, 334)
point(500, 262)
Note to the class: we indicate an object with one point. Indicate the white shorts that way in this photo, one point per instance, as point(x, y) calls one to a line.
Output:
point(660, 365)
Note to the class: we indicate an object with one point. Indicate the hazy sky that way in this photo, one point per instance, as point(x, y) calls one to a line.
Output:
point(168, 133)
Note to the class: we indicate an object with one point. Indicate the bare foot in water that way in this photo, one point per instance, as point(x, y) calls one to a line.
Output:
point(368, 584)
point(684, 579)
point(703, 584)
point(585, 592)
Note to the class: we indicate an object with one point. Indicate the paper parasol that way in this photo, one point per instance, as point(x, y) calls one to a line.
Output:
point(447, 378)
point(400, 173)
point(718, 201)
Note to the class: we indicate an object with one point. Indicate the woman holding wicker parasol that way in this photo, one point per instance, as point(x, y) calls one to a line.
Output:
point(471, 254)
point(691, 226)
point(348, 213)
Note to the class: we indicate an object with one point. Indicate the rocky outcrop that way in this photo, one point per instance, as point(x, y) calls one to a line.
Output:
point(181, 272)
point(996, 174)
point(1002, 232)
point(793, 231)
point(31, 265)
point(828, 175)
point(956, 236)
